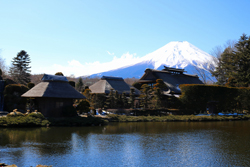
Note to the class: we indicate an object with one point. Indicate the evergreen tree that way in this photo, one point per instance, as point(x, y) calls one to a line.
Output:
point(145, 95)
point(72, 83)
point(109, 103)
point(59, 73)
point(160, 84)
point(157, 98)
point(1, 74)
point(131, 97)
point(20, 69)
point(124, 100)
point(242, 61)
point(235, 64)
point(137, 85)
point(79, 85)
point(118, 100)
point(87, 94)
point(158, 89)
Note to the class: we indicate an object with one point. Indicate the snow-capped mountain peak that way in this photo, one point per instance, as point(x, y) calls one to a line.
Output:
point(178, 54)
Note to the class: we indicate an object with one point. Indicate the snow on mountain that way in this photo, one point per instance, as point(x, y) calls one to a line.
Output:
point(174, 54)
point(178, 54)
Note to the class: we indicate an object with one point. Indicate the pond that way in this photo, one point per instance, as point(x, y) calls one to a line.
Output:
point(129, 144)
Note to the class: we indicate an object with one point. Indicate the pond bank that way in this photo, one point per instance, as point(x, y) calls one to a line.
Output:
point(35, 121)
point(173, 118)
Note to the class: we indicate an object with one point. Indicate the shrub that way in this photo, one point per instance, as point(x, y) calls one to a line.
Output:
point(196, 97)
point(36, 115)
point(32, 119)
point(30, 85)
point(59, 73)
point(12, 97)
point(72, 83)
point(82, 106)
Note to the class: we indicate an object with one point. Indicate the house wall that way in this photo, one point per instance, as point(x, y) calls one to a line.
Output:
point(53, 107)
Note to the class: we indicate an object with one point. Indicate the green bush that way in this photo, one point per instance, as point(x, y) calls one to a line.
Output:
point(12, 97)
point(82, 106)
point(196, 97)
point(30, 85)
point(59, 73)
point(72, 83)
point(36, 115)
point(31, 120)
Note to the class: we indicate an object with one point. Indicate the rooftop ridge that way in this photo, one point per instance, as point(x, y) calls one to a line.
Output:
point(111, 78)
point(48, 77)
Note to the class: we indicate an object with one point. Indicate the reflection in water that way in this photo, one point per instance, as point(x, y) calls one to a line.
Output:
point(129, 144)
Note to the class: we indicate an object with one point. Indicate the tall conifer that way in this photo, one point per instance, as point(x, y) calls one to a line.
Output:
point(20, 69)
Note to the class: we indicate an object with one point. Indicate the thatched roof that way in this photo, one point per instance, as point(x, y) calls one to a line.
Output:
point(55, 87)
point(172, 78)
point(118, 84)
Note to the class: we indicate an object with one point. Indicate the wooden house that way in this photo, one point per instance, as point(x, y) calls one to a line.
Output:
point(53, 94)
point(172, 77)
point(115, 83)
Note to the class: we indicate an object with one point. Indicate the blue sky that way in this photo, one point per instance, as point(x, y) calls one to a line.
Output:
point(81, 37)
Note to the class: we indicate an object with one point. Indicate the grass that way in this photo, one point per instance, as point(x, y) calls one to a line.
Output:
point(23, 121)
point(35, 120)
point(38, 120)
point(169, 118)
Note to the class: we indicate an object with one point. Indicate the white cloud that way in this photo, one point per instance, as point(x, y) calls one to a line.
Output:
point(110, 53)
point(78, 69)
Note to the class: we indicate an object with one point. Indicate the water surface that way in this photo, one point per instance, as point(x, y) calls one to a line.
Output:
point(129, 144)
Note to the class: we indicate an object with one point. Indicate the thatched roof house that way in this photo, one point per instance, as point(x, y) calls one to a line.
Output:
point(172, 77)
point(116, 83)
point(53, 94)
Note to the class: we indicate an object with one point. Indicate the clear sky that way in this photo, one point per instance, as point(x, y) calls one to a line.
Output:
point(81, 37)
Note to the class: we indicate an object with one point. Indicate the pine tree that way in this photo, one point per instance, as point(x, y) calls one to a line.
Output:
point(131, 97)
point(157, 98)
point(242, 61)
point(145, 96)
point(109, 103)
point(59, 73)
point(79, 85)
point(234, 64)
point(20, 70)
point(124, 100)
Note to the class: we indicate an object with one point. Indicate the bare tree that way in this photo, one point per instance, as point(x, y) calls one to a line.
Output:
point(216, 53)
point(203, 75)
point(3, 67)
point(130, 81)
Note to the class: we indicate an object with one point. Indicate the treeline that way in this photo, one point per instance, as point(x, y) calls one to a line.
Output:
point(227, 99)
point(150, 98)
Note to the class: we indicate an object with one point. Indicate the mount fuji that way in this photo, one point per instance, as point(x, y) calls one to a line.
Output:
point(174, 54)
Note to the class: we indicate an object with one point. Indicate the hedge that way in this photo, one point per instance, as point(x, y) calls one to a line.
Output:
point(229, 99)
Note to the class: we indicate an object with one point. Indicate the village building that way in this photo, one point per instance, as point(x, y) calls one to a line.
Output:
point(172, 77)
point(53, 94)
point(105, 84)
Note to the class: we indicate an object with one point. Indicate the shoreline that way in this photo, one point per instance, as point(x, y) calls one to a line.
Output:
point(22, 121)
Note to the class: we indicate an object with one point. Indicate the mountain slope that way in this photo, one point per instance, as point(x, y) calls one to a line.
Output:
point(174, 54)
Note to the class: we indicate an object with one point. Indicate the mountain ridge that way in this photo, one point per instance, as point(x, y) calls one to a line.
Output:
point(177, 54)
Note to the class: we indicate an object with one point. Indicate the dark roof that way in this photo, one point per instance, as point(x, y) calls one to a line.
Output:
point(47, 77)
point(106, 83)
point(172, 80)
point(112, 78)
point(54, 87)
